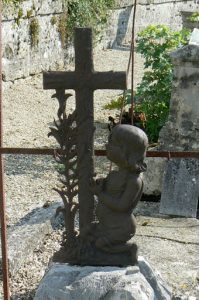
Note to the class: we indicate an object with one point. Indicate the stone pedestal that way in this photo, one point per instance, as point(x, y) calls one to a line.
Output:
point(65, 282)
point(181, 133)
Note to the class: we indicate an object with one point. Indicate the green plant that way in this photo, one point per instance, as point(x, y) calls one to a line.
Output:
point(156, 113)
point(62, 28)
point(121, 101)
point(34, 32)
point(29, 13)
point(194, 17)
point(83, 13)
point(12, 1)
point(19, 16)
point(116, 103)
point(153, 94)
point(154, 44)
point(53, 20)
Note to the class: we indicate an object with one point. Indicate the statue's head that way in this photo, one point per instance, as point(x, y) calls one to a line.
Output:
point(127, 147)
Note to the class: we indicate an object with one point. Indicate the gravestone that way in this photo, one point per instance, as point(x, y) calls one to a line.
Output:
point(105, 235)
point(180, 188)
point(181, 133)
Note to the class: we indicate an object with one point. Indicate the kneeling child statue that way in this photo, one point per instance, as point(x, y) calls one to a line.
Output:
point(119, 193)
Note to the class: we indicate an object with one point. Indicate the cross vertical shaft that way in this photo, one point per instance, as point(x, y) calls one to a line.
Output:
point(84, 80)
point(85, 123)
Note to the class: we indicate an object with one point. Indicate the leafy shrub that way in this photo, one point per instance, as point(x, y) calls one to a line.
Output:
point(153, 94)
point(117, 103)
point(154, 44)
point(91, 13)
point(194, 17)
point(12, 1)
point(34, 32)
point(156, 113)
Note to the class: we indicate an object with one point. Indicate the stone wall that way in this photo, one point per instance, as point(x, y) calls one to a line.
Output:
point(169, 12)
point(21, 58)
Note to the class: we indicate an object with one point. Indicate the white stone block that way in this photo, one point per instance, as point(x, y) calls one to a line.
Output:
point(194, 40)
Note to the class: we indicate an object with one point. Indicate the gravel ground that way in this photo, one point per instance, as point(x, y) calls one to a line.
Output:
point(28, 112)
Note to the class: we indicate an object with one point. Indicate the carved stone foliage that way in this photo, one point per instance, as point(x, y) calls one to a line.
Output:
point(65, 132)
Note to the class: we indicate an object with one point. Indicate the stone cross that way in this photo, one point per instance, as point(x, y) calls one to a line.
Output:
point(84, 80)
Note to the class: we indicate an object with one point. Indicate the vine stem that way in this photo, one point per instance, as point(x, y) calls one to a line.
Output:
point(3, 221)
point(133, 60)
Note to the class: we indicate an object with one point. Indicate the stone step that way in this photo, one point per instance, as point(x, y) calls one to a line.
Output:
point(25, 237)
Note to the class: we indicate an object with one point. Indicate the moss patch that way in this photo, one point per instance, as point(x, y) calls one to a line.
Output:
point(34, 32)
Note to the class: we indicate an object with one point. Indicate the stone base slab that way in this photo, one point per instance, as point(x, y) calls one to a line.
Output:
point(64, 282)
point(25, 237)
point(90, 255)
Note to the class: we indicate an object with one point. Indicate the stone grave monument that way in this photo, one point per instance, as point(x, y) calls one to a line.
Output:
point(104, 241)
point(181, 180)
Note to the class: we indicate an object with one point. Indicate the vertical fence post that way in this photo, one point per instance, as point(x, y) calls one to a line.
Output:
point(2, 192)
point(133, 60)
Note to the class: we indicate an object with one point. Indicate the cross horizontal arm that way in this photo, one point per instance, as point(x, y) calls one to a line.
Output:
point(59, 80)
point(108, 80)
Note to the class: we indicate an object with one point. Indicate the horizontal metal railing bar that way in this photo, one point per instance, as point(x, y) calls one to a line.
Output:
point(173, 154)
point(50, 151)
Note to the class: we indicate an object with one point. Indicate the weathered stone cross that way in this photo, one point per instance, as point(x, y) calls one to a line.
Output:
point(84, 80)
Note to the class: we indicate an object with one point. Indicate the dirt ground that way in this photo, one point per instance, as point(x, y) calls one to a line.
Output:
point(171, 245)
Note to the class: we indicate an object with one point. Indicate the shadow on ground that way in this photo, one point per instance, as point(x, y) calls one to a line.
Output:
point(28, 164)
point(24, 296)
